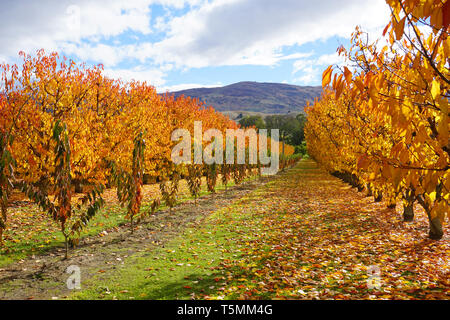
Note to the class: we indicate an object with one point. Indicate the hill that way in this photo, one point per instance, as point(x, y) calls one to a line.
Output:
point(255, 97)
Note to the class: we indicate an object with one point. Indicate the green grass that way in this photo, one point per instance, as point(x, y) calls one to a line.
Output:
point(184, 268)
point(189, 266)
point(39, 238)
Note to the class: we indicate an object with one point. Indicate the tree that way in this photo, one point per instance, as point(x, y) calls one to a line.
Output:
point(129, 184)
point(252, 121)
point(60, 209)
point(74, 127)
point(6, 178)
point(384, 118)
point(169, 190)
point(211, 173)
point(291, 127)
point(194, 180)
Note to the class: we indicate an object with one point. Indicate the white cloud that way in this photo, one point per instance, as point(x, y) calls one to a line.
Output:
point(100, 53)
point(296, 56)
point(185, 86)
point(330, 59)
point(238, 32)
point(302, 65)
point(308, 71)
point(29, 25)
point(246, 32)
point(308, 78)
point(210, 32)
point(155, 77)
point(311, 69)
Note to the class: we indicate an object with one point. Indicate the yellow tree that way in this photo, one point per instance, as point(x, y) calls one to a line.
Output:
point(394, 108)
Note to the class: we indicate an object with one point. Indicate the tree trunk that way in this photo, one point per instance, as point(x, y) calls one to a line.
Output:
point(408, 208)
point(378, 196)
point(78, 186)
point(354, 181)
point(436, 232)
point(392, 204)
point(146, 179)
point(66, 244)
point(408, 213)
point(369, 190)
point(2, 225)
point(282, 153)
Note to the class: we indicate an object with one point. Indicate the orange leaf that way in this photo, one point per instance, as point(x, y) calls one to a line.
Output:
point(348, 75)
point(399, 29)
point(326, 77)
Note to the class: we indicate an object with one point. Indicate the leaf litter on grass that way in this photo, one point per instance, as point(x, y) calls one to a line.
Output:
point(313, 237)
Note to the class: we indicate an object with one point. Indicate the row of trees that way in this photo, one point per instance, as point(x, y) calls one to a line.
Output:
point(64, 125)
point(291, 127)
point(382, 123)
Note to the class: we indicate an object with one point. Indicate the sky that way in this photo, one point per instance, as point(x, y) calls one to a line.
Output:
point(180, 44)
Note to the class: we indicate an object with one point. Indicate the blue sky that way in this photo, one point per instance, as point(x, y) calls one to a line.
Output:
point(178, 44)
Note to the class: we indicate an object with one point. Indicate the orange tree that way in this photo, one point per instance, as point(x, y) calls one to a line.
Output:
point(6, 164)
point(384, 119)
point(63, 125)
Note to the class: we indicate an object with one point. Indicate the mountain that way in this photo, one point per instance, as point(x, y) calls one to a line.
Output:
point(255, 97)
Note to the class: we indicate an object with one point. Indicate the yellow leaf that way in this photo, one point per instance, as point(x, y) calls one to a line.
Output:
point(435, 89)
point(443, 124)
point(432, 196)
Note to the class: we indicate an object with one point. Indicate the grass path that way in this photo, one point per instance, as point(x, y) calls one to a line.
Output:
point(304, 235)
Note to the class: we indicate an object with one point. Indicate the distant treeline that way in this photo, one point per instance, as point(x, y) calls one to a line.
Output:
point(291, 127)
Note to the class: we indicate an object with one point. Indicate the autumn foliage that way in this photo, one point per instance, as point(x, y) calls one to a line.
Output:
point(382, 122)
point(64, 126)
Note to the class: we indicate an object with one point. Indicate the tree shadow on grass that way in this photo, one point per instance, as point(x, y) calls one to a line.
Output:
point(193, 287)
